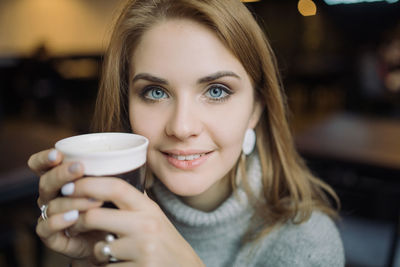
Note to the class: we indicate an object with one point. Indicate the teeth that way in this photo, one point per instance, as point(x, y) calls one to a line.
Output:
point(187, 157)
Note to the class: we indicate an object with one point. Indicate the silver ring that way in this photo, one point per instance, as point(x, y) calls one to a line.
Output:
point(110, 238)
point(43, 209)
point(106, 250)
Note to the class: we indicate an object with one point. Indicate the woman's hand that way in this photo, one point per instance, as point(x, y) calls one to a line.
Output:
point(145, 236)
point(62, 212)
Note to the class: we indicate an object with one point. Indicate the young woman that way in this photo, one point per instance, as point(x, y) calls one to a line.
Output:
point(198, 79)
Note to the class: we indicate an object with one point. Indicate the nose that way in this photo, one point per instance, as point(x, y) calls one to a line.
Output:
point(184, 121)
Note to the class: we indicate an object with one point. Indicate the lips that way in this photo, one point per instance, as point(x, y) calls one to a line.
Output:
point(187, 157)
point(186, 160)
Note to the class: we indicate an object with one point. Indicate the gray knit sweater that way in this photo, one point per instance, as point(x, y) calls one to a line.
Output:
point(216, 236)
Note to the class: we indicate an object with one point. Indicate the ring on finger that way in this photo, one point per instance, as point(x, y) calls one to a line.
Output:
point(110, 238)
point(43, 210)
point(106, 250)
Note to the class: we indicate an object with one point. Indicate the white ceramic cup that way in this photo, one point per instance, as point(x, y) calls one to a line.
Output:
point(108, 154)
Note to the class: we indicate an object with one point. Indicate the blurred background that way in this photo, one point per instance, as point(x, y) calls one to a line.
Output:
point(340, 65)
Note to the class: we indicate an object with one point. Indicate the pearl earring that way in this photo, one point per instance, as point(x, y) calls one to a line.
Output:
point(249, 142)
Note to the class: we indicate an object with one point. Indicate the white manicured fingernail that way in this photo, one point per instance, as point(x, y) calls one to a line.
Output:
point(68, 189)
point(71, 215)
point(52, 156)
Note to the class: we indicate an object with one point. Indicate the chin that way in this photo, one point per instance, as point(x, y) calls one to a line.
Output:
point(185, 189)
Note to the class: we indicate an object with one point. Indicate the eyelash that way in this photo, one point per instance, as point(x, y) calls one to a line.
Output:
point(148, 89)
point(224, 89)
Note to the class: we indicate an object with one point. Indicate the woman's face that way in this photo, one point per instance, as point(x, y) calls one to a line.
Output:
point(193, 100)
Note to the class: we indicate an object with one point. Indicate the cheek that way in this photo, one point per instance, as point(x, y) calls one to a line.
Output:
point(232, 123)
point(146, 123)
point(228, 132)
point(150, 126)
point(229, 138)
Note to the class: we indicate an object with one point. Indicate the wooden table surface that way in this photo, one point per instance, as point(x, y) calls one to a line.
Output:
point(354, 138)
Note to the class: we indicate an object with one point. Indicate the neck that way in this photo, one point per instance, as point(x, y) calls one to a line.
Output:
point(212, 198)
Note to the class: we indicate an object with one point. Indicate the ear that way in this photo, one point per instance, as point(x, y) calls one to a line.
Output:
point(256, 114)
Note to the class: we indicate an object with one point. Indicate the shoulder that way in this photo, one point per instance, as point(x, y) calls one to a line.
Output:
point(315, 242)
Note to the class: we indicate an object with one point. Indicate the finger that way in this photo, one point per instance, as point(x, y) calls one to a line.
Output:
point(64, 204)
point(116, 221)
point(123, 264)
point(116, 190)
point(52, 233)
point(44, 160)
point(56, 223)
point(51, 182)
point(123, 249)
point(98, 252)
point(108, 220)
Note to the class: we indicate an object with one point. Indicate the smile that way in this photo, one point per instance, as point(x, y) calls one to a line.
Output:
point(186, 161)
point(187, 157)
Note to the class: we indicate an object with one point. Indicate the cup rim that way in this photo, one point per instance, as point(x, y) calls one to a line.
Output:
point(62, 145)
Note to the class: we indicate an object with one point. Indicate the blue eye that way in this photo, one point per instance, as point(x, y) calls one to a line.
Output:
point(154, 93)
point(218, 93)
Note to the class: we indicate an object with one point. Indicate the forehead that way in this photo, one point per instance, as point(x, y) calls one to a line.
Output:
point(182, 44)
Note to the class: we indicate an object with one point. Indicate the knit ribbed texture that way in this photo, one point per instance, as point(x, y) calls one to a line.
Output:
point(216, 236)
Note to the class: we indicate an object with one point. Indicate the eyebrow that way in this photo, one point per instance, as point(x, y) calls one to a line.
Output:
point(208, 78)
point(217, 75)
point(150, 78)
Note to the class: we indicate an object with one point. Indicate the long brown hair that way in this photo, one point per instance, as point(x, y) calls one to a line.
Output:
point(290, 190)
